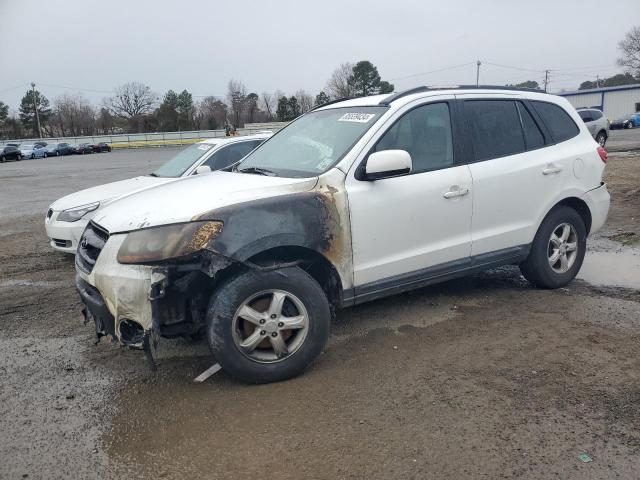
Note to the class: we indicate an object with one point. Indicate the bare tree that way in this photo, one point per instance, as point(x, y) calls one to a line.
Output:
point(73, 115)
point(131, 100)
point(630, 48)
point(236, 95)
point(305, 101)
point(338, 85)
point(268, 104)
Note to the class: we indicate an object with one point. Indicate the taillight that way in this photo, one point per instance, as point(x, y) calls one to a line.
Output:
point(603, 154)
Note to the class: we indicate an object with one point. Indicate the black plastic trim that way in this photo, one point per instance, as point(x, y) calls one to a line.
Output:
point(436, 274)
point(387, 101)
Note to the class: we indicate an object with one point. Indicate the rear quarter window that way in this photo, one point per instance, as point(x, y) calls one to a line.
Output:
point(559, 123)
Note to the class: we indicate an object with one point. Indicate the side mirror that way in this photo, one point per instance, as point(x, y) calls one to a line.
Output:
point(203, 169)
point(387, 163)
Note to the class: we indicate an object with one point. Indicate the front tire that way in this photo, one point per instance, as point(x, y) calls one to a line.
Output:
point(558, 249)
point(33, 156)
point(268, 326)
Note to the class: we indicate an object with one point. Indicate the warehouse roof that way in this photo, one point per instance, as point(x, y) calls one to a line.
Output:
point(600, 90)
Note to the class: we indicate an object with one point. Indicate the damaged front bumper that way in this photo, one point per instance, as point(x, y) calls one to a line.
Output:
point(135, 305)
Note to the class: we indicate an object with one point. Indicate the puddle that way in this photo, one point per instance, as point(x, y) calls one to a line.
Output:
point(616, 269)
point(31, 283)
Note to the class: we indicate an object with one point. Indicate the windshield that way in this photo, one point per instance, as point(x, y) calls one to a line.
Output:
point(27, 147)
point(314, 143)
point(183, 160)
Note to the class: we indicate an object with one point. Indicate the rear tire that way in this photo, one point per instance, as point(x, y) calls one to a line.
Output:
point(247, 322)
point(601, 138)
point(558, 249)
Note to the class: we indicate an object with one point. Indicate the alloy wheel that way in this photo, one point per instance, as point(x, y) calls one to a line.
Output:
point(562, 250)
point(270, 326)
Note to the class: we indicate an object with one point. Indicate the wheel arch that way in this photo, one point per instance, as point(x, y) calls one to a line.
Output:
point(578, 205)
point(313, 262)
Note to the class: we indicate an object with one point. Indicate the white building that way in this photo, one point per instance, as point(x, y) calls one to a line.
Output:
point(615, 102)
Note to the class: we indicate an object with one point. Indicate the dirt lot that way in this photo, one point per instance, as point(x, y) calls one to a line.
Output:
point(484, 377)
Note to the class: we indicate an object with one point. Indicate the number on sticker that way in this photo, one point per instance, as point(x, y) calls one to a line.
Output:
point(356, 117)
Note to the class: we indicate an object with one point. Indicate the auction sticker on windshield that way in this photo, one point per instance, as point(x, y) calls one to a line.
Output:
point(356, 117)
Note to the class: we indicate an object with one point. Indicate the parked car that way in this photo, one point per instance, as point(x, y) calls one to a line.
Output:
point(10, 152)
point(13, 144)
point(31, 150)
point(628, 121)
point(59, 149)
point(83, 148)
point(597, 124)
point(101, 147)
point(67, 217)
point(350, 202)
point(40, 144)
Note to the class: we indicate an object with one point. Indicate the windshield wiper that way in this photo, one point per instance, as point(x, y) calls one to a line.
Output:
point(258, 170)
point(153, 174)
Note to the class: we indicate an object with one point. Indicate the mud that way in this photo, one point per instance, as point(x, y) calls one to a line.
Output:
point(479, 377)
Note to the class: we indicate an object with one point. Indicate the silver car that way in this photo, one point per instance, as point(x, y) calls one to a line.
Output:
point(33, 150)
point(597, 124)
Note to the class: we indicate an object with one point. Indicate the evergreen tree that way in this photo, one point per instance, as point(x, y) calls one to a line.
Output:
point(185, 111)
point(167, 112)
point(27, 112)
point(365, 80)
point(321, 99)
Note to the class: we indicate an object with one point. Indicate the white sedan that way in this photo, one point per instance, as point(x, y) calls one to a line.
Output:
point(67, 217)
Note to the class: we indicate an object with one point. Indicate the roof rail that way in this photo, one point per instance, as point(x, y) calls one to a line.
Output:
point(387, 101)
point(337, 100)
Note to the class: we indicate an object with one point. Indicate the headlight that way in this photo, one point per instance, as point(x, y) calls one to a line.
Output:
point(76, 213)
point(169, 241)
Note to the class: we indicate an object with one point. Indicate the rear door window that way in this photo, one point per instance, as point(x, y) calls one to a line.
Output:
point(533, 137)
point(596, 114)
point(559, 123)
point(495, 128)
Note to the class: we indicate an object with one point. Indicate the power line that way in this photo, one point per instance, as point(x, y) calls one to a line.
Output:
point(433, 71)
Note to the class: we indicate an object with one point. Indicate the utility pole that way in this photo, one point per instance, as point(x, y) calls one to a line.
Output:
point(478, 63)
point(546, 79)
point(598, 81)
point(35, 108)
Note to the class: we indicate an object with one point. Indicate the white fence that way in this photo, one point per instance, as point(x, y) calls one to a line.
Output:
point(159, 139)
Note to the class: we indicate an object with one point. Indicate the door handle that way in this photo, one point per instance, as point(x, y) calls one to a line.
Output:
point(551, 169)
point(455, 191)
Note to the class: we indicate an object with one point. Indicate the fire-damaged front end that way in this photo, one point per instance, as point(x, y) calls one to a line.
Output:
point(151, 282)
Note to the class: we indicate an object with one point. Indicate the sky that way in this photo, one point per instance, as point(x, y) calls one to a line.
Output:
point(89, 46)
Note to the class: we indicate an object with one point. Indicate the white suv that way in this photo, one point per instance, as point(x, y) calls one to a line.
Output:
point(351, 202)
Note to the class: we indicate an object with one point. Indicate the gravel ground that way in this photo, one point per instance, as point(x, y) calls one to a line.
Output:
point(480, 377)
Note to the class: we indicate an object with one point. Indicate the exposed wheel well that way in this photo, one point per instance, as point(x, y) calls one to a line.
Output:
point(579, 206)
point(312, 262)
point(602, 131)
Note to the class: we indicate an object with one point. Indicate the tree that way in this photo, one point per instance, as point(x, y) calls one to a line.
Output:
point(282, 113)
point(4, 114)
point(131, 100)
point(365, 80)
point(321, 99)
point(294, 109)
point(105, 122)
point(185, 111)
point(386, 87)
point(167, 113)
point(304, 100)
point(268, 102)
point(338, 84)
point(630, 48)
point(73, 115)
point(528, 84)
point(236, 93)
point(211, 113)
point(27, 112)
point(614, 81)
point(251, 106)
